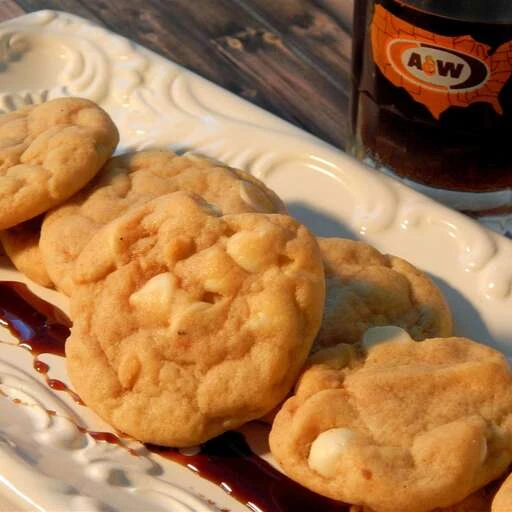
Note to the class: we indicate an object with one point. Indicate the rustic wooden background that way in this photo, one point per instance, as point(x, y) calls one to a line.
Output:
point(291, 57)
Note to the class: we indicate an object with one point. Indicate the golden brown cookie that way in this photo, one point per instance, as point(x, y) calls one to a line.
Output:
point(503, 500)
point(479, 501)
point(188, 323)
point(21, 244)
point(48, 152)
point(366, 288)
point(401, 426)
point(133, 179)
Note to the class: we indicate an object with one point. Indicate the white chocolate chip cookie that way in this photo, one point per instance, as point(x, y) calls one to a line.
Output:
point(479, 501)
point(133, 179)
point(365, 288)
point(21, 244)
point(188, 323)
point(402, 426)
point(48, 152)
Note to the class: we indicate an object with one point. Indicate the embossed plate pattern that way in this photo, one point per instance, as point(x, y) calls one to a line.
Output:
point(46, 463)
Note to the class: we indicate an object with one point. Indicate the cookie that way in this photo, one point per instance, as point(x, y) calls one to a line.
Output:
point(21, 244)
point(133, 179)
point(502, 502)
point(188, 323)
point(479, 501)
point(366, 288)
point(401, 426)
point(48, 152)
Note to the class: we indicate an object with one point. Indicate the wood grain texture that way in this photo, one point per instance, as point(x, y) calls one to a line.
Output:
point(291, 57)
point(342, 10)
point(71, 6)
point(308, 56)
point(9, 9)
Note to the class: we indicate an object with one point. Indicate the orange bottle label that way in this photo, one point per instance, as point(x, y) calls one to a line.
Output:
point(438, 71)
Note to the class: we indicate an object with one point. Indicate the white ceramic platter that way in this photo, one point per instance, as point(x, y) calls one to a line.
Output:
point(46, 463)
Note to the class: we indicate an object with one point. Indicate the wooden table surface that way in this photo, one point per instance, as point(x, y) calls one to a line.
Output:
point(291, 57)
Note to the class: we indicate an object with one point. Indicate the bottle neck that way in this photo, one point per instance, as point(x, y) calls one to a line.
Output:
point(479, 11)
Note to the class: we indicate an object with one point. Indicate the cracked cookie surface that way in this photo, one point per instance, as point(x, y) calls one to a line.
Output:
point(404, 426)
point(132, 179)
point(48, 152)
point(365, 288)
point(188, 323)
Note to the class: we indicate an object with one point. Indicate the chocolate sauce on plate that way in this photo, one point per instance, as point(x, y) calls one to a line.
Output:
point(40, 327)
point(228, 461)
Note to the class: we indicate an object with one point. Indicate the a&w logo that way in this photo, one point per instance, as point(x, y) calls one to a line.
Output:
point(439, 71)
point(435, 67)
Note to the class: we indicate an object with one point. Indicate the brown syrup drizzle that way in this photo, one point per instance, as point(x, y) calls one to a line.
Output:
point(226, 461)
point(40, 327)
point(107, 437)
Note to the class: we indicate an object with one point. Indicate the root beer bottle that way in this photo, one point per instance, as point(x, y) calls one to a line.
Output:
point(433, 91)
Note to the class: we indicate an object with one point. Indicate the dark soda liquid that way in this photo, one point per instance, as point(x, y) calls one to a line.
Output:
point(467, 149)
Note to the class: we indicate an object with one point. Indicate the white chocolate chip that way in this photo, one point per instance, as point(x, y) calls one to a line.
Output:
point(252, 250)
point(257, 321)
point(212, 268)
point(216, 284)
point(327, 448)
point(156, 296)
point(383, 334)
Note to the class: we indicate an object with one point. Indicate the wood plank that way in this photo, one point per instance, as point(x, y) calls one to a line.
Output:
point(341, 10)
point(299, 93)
point(314, 35)
point(312, 31)
point(9, 9)
point(71, 6)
